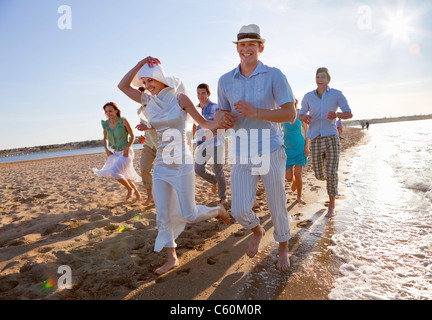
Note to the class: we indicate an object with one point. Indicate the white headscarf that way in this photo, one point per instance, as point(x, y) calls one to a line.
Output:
point(157, 72)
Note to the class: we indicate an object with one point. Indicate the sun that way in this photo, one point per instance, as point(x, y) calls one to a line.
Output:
point(398, 25)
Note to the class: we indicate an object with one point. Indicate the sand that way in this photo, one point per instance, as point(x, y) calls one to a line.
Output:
point(56, 212)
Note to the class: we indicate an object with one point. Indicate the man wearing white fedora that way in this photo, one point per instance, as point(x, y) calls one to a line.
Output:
point(257, 98)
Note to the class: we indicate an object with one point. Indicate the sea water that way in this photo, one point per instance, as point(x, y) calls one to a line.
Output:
point(56, 154)
point(379, 245)
point(384, 231)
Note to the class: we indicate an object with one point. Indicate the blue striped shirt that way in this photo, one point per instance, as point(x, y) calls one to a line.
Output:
point(208, 112)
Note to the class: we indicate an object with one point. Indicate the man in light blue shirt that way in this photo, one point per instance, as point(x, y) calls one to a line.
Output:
point(319, 111)
point(254, 100)
point(209, 148)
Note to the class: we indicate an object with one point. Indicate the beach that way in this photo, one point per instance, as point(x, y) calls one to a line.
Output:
point(56, 212)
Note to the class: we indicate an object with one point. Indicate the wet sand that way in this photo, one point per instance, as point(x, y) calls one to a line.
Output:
point(56, 212)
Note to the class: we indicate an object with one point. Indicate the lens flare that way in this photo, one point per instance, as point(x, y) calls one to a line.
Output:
point(50, 283)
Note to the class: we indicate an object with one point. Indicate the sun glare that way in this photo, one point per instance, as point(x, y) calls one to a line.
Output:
point(398, 28)
point(397, 25)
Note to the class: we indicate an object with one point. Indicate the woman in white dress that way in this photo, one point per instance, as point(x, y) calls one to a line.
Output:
point(119, 164)
point(167, 108)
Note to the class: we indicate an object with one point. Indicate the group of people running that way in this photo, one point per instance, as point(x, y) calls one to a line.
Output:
point(251, 97)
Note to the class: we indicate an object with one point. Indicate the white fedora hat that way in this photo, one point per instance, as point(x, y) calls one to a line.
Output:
point(250, 32)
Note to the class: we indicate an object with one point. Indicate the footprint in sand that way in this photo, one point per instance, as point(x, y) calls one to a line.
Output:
point(304, 224)
point(239, 233)
point(213, 259)
point(54, 229)
point(41, 196)
point(183, 272)
point(297, 216)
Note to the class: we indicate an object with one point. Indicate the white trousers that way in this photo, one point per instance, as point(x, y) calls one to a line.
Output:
point(243, 192)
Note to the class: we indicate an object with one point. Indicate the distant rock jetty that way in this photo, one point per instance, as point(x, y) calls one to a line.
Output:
point(53, 147)
point(350, 123)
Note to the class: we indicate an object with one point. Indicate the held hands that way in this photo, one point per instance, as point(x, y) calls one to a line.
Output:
point(141, 127)
point(227, 121)
point(306, 118)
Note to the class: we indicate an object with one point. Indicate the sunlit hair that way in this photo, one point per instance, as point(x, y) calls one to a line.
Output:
point(114, 106)
point(204, 86)
point(325, 70)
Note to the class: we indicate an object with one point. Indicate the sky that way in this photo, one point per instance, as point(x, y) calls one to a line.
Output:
point(61, 61)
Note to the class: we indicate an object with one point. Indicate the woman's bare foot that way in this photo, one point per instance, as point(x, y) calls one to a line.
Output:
point(253, 246)
point(223, 214)
point(283, 263)
point(170, 264)
point(137, 195)
point(129, 194)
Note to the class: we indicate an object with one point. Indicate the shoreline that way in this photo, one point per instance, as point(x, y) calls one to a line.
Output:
point(99, 143)
point(56, 212)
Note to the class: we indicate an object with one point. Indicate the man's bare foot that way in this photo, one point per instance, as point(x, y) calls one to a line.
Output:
point(148, 200)
point(214, 188)
point(129, 194)
point(223, 214)
point(283, 263)
point(170, 264)
point(330, 213)
point(253, 246)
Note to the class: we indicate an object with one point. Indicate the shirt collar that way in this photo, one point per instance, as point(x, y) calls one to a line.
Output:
point(207, 104)
point(260, 68)
point(327, 90)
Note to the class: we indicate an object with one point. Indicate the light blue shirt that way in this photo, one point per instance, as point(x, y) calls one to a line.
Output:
point(318, 108)
point(266, 88)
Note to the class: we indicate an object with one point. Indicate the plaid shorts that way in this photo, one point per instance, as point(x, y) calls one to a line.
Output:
point(325, 161)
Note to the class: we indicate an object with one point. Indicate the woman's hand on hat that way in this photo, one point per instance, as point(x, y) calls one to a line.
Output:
point(150, 61)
